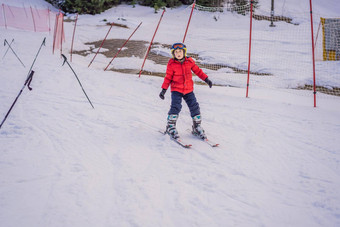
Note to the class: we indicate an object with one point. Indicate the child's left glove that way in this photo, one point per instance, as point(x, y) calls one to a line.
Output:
point(208, 82)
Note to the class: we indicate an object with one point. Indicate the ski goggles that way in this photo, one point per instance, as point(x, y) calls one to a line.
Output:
point(178, 46)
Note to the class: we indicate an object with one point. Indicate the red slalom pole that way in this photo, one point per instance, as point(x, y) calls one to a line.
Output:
point(49, 21)
point(74, 30)
point(193, 6)
point(311, 22)
point(251, 25)
point(55, 32)
point(62, 36)
point(123, 46)
point(101, 44)
point(147, 53)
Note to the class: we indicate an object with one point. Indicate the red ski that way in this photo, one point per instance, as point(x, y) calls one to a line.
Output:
point(177, 140)
point(206, 140)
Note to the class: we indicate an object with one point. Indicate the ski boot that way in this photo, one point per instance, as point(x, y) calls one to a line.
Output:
point(197, 130)
point(171, 126)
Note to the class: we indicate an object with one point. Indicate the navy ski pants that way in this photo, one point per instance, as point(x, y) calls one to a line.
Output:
point(190, 99)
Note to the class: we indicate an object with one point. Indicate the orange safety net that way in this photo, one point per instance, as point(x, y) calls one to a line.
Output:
point(24, 18)
point(59, 35)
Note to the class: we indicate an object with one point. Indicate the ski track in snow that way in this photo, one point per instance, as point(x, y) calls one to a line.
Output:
point(63, 163)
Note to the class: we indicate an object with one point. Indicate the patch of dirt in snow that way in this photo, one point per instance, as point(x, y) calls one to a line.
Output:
point(138, 49)
point(330, 91)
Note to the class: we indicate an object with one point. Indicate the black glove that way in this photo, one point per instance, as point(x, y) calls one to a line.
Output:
point(161, 95)
point(208, 82)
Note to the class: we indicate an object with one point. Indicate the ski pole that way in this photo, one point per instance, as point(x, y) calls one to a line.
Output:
point(65, 60)
point(9, 45)
point(27, 82)
point(7, 49)
point(42, 44)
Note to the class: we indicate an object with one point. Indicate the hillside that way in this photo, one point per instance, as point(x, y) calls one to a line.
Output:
point(63, 163)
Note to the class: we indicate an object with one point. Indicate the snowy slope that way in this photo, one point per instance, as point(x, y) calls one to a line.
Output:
point(63, 163)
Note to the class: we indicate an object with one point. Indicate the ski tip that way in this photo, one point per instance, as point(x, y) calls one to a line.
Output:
point(162, 132)
point(182, 143)
point(214, 144)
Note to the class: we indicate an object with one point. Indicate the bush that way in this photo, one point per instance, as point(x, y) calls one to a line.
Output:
point(158, 5)
point(56, 3)
point(84, 6)
point(88, 6)
point(98, 6)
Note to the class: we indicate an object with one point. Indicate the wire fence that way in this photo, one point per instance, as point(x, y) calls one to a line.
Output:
point(280, 57)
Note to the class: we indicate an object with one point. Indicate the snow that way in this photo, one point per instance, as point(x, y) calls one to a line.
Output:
point(63, 163)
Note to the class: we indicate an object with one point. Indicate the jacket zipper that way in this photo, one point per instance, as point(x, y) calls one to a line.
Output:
point(183, 73)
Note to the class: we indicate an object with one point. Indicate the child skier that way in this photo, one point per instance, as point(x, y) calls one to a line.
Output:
point(179, 76)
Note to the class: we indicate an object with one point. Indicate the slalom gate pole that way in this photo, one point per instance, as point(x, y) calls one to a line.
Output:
point(27, 83)
point(251, 27)
point(55, 32)
point(7, 49)
point(147, 52)
point(65, 60)
point(74, 30)
point(193, 6)
point(3, 9)
point(123, 46)
point(312, 32)
point(9, 45)
point(317, 34)
point(62, 35)
point(23, 6)
point(101, 44)
point(10, 10)
point(35, 29)
point(49, 20)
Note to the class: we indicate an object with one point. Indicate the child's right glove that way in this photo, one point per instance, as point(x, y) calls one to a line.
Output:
point(161, 95)
point(208, 82)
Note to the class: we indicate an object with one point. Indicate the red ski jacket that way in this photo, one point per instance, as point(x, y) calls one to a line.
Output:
point(180, 77)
